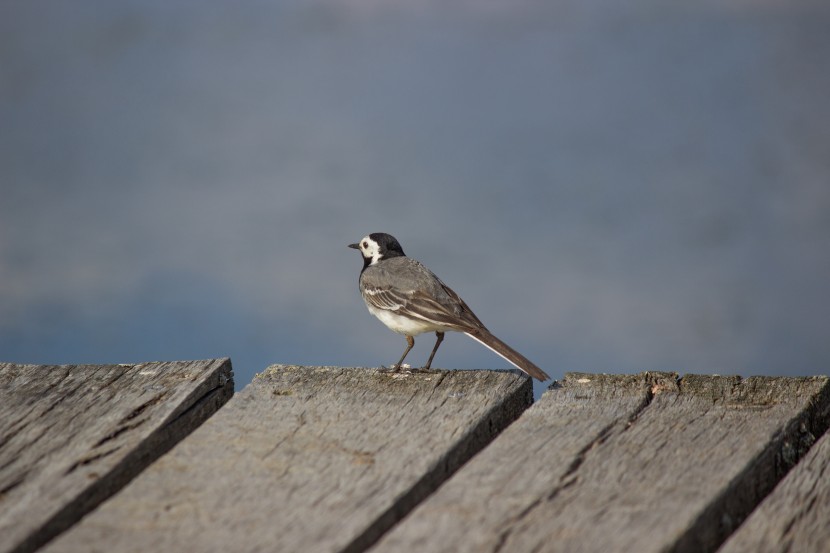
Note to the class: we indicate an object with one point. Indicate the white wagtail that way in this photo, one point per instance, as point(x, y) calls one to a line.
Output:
point(410, 300)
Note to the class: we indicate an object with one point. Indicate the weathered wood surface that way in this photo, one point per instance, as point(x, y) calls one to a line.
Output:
point(306, 459)
point(72, 435)
point(623, 463)
point(795, 517)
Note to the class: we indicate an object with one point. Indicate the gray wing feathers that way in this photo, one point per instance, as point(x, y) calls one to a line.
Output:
point(384, 298)
point(404, 285)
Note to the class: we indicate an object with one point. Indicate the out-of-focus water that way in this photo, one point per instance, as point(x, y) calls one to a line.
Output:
point(611, 187)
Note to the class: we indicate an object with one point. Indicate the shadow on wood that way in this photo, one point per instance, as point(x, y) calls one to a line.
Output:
point(336, 459)
point(307, 459)
point(796, 515)
point(603, 463)
point(73, 435)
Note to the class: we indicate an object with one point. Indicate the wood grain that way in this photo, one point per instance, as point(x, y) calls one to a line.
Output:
point(617, 463)
point(307, 459)
point(796, 516)
point(72, 435)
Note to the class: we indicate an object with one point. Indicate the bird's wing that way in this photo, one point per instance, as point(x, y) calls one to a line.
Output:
point(454, 314)
point(435, 304)
point(384, 297)
point(460, 308)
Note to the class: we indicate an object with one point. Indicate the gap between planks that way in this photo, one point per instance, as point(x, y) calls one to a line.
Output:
point(625, 465)
point(73, 435)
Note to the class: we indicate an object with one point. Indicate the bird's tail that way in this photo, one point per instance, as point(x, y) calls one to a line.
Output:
point(520, 361)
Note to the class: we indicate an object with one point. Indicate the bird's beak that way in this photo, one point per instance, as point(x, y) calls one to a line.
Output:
point(355, 246)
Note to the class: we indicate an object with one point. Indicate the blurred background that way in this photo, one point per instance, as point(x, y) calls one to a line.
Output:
point(612, 187)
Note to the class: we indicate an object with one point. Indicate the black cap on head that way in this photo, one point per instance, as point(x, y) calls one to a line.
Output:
point(389, 246)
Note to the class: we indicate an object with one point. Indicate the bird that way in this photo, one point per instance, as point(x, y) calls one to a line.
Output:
point(409, 299)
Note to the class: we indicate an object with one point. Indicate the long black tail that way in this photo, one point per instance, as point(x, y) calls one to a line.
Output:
point(517, 359)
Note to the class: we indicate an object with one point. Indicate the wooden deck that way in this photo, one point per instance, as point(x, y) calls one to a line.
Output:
point(72, 435)
point(332, 459)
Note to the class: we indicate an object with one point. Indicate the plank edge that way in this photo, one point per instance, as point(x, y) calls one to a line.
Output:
point(497, 419)
point(205, 400)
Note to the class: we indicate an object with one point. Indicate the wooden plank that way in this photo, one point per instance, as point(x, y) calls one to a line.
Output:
point(307, 459)
point(72, 435)
point(674, 467)
point(796, 515)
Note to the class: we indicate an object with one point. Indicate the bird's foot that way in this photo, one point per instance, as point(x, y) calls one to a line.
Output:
point(394, 368)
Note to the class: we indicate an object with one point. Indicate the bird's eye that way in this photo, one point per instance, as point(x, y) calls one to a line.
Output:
point(365, 245)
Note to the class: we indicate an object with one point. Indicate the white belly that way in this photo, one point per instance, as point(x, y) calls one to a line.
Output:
point(404, 325)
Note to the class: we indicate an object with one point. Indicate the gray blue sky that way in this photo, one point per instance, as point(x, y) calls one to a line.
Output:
point(611, 187)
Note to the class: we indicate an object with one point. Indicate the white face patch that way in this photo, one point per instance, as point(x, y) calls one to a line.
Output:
point(370, 249)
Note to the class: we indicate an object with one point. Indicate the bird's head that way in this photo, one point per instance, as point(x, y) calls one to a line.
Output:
point(377, 246)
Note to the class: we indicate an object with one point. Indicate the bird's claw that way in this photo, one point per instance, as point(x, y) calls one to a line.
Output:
point(389, 369)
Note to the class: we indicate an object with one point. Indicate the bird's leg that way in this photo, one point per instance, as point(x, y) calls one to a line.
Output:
point(410, 342)
point(439, 337)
